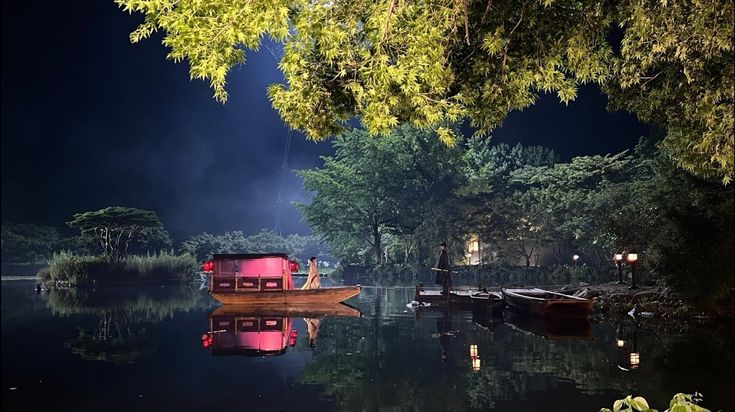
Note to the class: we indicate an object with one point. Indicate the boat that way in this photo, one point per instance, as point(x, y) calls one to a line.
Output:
point(460, 298)
point(575, 328)
point(488, 301)
point(546, 303)
point(265, 279)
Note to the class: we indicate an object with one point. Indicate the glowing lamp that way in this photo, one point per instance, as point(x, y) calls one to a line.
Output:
point(208, 266)
point(635, 360)
point(476, 364)
point(473, 351)
point(618, 257)
point(621, 343)
point(575, 257)
point(294, 266)
point(632, 257)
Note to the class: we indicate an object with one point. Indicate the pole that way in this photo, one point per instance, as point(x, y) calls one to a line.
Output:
point(633, 275)
point(620, 273)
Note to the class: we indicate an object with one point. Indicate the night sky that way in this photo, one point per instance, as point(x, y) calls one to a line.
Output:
point(90, 120)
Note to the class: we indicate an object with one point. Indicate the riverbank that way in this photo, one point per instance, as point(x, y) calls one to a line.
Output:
point(648, 302)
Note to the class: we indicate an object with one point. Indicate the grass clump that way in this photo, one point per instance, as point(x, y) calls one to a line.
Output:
point(68, 269)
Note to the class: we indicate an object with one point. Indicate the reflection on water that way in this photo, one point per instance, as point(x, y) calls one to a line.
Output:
point(158, 348)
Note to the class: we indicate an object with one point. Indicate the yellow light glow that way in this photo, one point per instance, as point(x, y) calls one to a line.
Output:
point(632, 257)
point(476, 364)
point(621, 343)
point(618, 257)
point(635, 359)
point(473, 351)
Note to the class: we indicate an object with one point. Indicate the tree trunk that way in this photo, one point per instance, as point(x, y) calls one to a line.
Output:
point(376, 244)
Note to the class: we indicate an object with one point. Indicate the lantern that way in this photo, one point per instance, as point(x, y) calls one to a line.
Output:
point(294, 266)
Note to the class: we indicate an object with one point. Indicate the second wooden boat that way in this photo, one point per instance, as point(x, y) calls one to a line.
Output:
point(546, 303)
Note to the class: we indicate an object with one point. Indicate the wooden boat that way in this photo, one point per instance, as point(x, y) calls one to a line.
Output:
point(265, 279)
point(288, 297)
point(488, 301)
point(546, 303)
point(436, 297)
point(575, 328)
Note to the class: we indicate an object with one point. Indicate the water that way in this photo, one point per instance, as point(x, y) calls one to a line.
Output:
point(140, 348)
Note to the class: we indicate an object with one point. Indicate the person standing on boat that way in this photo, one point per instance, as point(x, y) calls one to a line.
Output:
point(312, 281)
point(443, 275)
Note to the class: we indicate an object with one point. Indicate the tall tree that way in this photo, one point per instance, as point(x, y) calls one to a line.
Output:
point(427, 63)
point(116, 227)
point(375, 186)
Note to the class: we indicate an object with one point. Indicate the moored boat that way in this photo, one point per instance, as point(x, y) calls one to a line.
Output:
point(546, 303)
point(436, 297)
point(489, 301)
point(265, 279)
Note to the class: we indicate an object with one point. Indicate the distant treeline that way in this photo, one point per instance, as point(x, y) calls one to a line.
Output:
point(116, 233)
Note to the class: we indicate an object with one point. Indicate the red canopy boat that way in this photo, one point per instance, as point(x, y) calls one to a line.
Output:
point(265, 278)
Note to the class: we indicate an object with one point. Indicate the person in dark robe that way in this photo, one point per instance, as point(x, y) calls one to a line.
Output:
point(443, 275)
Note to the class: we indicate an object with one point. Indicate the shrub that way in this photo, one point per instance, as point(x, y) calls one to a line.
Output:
point(680, 402)
point(69, 269)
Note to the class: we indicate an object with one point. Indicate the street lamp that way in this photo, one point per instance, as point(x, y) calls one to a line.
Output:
point(575, 258)
point(632, 259)
point(619, 264)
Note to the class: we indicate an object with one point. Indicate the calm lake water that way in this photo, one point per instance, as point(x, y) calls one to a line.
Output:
point(141, 348)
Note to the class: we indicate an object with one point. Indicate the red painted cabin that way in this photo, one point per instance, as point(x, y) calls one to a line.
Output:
point(250, 272)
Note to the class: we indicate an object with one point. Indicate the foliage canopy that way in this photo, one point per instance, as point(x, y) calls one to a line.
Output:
point(439, 61)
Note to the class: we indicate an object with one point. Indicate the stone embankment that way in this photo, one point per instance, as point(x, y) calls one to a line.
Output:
point(644, 302)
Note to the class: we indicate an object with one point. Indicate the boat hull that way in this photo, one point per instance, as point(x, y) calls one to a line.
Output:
point(558, 306)
point(288, 297)
point(435, 297)
point(489, 301)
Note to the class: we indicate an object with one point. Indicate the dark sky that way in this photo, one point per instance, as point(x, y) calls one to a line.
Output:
point(90, 120)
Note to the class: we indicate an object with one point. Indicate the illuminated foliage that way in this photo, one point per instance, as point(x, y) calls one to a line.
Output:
point(438, 61)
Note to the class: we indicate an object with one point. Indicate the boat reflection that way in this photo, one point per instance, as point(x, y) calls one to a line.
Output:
point(265, 330)
point(552, 329)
